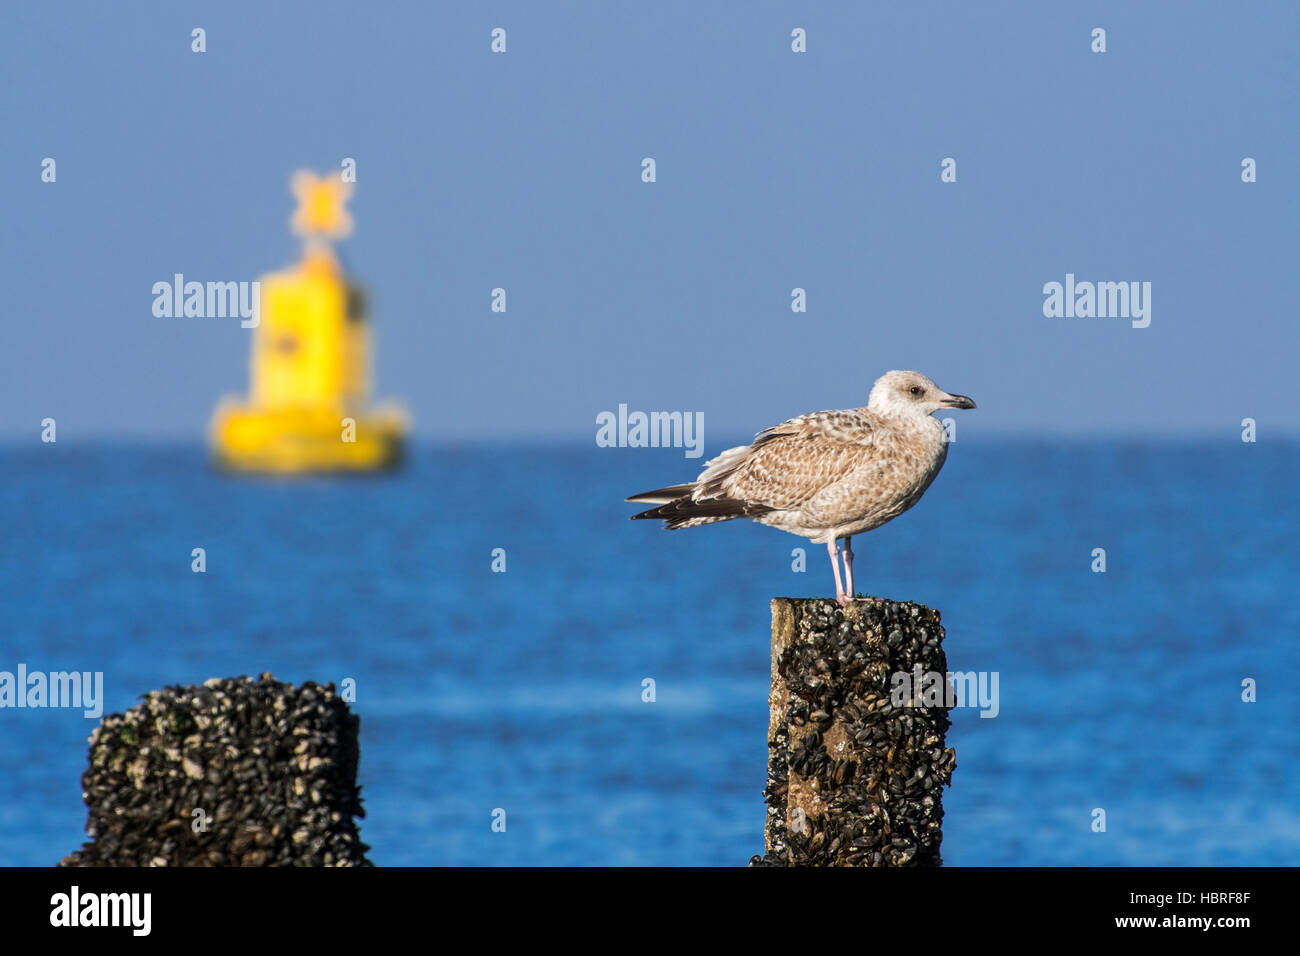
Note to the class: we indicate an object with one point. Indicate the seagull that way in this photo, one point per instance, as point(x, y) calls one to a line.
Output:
point(826, 475)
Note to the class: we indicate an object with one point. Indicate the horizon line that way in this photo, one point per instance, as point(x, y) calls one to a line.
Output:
point(18, 439)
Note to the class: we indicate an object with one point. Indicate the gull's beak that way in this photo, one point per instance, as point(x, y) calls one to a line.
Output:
point(957, 401)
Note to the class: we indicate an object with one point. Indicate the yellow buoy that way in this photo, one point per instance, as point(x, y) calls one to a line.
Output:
point(310, 367)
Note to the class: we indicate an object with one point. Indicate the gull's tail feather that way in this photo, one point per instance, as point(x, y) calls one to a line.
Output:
point(686, 512)
point(663, 495)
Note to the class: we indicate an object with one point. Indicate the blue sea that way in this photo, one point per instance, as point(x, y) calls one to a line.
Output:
point(522, 690)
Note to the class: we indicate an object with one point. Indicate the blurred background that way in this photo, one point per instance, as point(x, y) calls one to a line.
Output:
point(775, 170)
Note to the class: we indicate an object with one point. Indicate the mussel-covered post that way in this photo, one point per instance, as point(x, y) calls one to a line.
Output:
point(232, 772)
point(856, 754)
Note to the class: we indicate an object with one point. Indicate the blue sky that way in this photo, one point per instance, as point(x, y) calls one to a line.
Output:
point(775, 170)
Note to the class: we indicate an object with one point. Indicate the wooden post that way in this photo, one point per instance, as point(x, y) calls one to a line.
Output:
point(854, 779)
point(230, 773)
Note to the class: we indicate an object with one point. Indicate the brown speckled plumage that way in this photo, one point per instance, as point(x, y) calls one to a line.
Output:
point(821, 476)
point(826, 475)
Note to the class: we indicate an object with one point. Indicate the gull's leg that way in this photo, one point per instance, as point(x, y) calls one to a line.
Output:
point(840, 596)
point(848, 575)
point(848, 568)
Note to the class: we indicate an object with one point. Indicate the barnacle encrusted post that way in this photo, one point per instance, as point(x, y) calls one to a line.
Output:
point(233, 772)
point(853, 778)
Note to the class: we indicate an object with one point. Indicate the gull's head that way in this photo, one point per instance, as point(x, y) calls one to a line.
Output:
point(911, 394)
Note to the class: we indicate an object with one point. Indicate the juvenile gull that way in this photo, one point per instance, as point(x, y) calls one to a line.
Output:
point(826, 475)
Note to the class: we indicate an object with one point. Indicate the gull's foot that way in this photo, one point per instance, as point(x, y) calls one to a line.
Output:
point(869, 600)
point(842, 599)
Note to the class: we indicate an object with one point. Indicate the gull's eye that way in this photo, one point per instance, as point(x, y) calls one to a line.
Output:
point(917, 390)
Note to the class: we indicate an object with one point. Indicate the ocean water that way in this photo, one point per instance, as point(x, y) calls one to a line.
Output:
point(523, 690)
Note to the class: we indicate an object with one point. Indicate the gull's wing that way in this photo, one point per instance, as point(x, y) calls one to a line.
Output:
point(790, 463)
